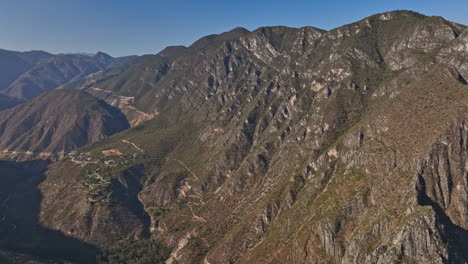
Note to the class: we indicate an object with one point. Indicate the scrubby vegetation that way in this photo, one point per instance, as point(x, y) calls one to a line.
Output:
point(135, 252)
point(97, 174)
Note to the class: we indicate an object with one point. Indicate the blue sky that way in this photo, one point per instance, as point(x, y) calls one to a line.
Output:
point(124, 27)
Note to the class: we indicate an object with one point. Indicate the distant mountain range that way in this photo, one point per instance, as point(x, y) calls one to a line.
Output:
point(278, 145)
point(26, 75)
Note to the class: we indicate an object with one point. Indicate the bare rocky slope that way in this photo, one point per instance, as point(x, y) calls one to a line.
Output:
point(280, 145)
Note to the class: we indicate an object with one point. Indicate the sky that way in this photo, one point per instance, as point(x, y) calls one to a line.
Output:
point(136, 27)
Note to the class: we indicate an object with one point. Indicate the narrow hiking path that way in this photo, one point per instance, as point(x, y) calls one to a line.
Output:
point(133, 144)
point(82, 162)
point(185, 166)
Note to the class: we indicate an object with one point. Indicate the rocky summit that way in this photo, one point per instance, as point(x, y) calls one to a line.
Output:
point(278, 145)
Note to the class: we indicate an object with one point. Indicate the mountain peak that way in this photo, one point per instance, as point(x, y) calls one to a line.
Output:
point(397, 14)
point(218, 38)
point(172, 50)
point(101, 54)
point(239, 30)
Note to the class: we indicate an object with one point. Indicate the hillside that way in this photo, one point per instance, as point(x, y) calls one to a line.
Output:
point(280, 145)
point(7, 102)
point(55, 123)
point(13, 64)
point(19, 227)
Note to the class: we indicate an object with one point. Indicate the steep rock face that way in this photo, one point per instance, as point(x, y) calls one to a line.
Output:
point(443, 178)
point(56, 123)
point(287, 146)
point(442, 184)
point(376, 217)
point(456, 54)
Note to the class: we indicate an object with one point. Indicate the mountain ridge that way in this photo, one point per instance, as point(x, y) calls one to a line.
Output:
point(38, 71)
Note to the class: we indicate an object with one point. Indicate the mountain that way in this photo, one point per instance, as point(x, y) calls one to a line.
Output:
point(56, 123)
point(19, 227)
point(13, 64)
point(55, 72)
point(26, 75)
point(7, 102)
point(129, 84)
point(280, 145)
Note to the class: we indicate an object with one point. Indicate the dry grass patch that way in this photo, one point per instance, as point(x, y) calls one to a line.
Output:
point(111, 152)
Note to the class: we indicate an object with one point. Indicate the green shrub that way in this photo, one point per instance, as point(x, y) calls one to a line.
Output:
point(135, 252)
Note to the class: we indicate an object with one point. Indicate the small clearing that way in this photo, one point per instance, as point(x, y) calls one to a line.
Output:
point(111, 152)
